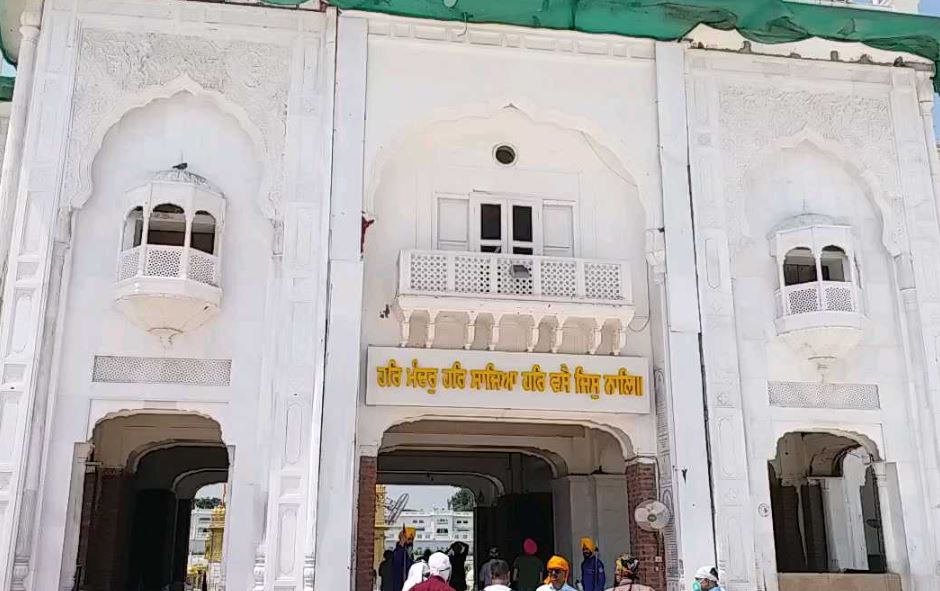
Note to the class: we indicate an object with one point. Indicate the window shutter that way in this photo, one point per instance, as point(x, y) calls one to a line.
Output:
point(452, 224)
point(558, 230)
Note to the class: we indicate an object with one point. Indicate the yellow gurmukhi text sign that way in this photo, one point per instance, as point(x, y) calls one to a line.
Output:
point(486, 379)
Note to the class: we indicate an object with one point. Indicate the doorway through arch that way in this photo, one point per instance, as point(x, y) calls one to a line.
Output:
point(143, 473)
point(554, 483)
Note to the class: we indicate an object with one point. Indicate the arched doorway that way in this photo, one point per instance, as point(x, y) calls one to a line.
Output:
point(827, 513)
point(140, 481)
point(552, 482)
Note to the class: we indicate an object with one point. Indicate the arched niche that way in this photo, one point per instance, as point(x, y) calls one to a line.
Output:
point(808, 174)
point(204, 130)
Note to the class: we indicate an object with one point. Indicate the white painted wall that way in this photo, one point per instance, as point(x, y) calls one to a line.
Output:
point(191, 129)
point(422, 105)
point(424, 138)
point(771, 140)
point(241, 94)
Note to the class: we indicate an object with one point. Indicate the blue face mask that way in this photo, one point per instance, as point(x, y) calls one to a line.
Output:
point(696, 586)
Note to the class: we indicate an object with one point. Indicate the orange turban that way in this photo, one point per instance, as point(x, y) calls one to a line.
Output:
point(407, 535)
point(559, 563)
point(589, 545)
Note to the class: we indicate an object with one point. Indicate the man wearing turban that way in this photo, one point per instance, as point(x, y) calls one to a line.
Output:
point(557, 580)
point(527, 569)
point(402, 558)
point(593, 577)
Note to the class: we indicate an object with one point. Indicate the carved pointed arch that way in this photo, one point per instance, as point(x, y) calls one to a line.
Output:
point(606, 146)
point(892, 234)
point(869, 437)
point(211, 414)
point(412, 415)
point(81, 188)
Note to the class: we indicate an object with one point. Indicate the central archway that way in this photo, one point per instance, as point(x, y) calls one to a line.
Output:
point(552, 482)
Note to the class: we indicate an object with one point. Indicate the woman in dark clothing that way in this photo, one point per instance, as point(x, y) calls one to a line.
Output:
point(458, 557)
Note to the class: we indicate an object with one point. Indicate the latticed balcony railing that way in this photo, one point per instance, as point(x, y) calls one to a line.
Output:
point(596, 293)
point(519, 277)
point(817, 296)
point(177, 262)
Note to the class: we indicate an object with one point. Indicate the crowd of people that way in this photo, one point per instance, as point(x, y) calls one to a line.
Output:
point(440, 571)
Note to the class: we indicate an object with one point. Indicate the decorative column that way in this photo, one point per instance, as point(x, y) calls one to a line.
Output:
point(613, 533)
point(916, 278)
point(16, 131)
point(335, 496)
point(685, 480)
point(575, 514)
point(892, 533)
point(284, 554)
point(15, 402)
point(29, 517)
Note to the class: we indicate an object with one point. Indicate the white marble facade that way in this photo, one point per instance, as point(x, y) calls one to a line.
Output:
point(683, 162)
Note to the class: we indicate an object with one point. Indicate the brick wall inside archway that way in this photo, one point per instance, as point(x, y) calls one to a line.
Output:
point(645, 546)
point(365, 523)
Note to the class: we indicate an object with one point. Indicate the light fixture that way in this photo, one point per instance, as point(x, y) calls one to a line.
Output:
point(517, 271)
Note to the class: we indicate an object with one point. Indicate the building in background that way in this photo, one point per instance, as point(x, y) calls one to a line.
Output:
point(436, 529)
point(616, 272)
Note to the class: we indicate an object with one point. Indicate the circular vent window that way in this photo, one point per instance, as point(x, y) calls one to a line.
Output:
point(504, 154)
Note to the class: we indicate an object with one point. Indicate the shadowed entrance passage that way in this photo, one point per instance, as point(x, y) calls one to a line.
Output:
point(138, 498)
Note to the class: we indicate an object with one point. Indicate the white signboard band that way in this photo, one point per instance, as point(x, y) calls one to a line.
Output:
point(498, 380)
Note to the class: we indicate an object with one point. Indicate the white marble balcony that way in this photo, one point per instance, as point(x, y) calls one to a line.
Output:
point(823, 319)
point(167, 290)
point(175, 262)
point(538, 287)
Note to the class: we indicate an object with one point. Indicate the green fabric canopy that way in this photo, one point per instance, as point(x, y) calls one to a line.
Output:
point(6, 88)
point(763, 21)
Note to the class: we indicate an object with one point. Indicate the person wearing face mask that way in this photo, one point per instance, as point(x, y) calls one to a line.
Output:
point(557, 580)
point(706, 579)
point(593, 577)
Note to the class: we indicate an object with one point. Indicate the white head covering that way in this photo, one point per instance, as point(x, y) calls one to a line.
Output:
point(416, 574)
point(706, 573)
point(440, 565)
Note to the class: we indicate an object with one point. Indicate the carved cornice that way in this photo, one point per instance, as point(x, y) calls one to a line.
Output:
point(541, 40)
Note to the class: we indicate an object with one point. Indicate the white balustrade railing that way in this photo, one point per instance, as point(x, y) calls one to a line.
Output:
point(449, 273)
point(178, 262)
point(817, 296)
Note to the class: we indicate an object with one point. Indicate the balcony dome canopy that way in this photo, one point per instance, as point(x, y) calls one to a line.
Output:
point(184, 177)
